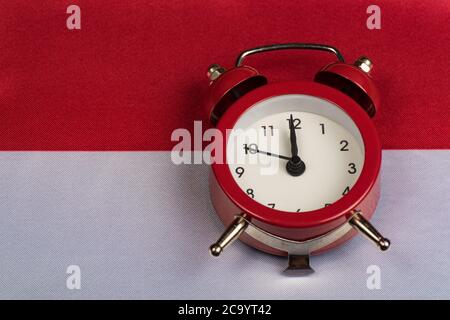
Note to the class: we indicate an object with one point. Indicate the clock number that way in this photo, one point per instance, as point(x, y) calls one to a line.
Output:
point(323, 127)
point(296, 123)
point(250, 193)
point(344, 144)
point(352, 169)
point(327, 204)
point(265, 130)
point(240, 171)
point(298, 210)
point(346, 191)
point(272, 205)
point(251, 148)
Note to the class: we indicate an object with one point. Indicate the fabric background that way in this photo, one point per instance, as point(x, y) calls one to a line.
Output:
point(136, 69)
point(139, 226)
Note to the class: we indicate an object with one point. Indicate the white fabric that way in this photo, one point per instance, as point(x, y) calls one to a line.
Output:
point(140, 227)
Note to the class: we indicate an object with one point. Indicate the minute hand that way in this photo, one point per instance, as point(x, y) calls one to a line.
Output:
point(295, 166)
point(293, 138)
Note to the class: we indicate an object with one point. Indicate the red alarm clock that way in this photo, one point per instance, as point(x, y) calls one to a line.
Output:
point(309, 157)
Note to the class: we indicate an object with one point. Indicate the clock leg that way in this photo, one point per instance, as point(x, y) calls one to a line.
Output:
point(298, 265)
point(366, 228)
point(231, 233)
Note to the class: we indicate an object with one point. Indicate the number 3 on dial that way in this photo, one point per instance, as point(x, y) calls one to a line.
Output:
point(352, 168)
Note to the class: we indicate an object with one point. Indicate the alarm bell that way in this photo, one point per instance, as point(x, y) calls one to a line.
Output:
point(226, 86)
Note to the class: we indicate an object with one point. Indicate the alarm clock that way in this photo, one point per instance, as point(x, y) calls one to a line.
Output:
point(310, 156)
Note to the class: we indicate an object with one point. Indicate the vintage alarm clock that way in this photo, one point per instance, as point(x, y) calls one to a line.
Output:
point(326, 156)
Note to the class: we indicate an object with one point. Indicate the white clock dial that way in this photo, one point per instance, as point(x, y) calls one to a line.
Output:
point(328, 141)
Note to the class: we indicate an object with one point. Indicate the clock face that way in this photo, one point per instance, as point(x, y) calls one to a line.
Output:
point(295, 153)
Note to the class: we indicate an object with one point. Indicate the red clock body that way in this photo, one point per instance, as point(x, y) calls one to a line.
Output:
point(342, 93)
point(229, 200)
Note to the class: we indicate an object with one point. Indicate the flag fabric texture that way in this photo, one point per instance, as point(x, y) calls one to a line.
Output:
point(86, 117)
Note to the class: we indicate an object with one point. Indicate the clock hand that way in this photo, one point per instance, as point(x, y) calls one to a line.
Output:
point(273, 154)
point(293, 138)
point(256, 150)
point(295, 166)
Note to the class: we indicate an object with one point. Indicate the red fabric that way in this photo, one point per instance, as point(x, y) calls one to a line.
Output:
point(136, 69)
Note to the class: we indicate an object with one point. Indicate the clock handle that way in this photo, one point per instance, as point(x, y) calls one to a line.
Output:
point(366, 228)
point(289, 46)
point(354, 80)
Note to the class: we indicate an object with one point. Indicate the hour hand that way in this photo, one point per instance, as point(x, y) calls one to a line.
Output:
point(253, 148)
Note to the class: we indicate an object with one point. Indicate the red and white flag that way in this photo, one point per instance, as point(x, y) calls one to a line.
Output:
point(88, 104)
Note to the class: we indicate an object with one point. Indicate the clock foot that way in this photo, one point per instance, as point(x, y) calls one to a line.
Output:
point(298, 265)
point(366, 228)
point(231, 233)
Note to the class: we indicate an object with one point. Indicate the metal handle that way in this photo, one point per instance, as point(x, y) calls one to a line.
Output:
point(289, 46)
